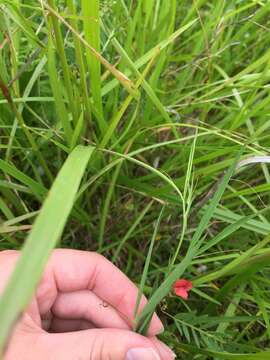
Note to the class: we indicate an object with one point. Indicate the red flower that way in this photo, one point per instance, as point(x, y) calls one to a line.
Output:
point(181, 288)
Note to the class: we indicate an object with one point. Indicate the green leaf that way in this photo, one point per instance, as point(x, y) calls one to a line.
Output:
point(146, 267)
point(45, 234)
point(264, 355)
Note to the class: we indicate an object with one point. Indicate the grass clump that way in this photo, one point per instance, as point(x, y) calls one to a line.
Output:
point(169, 96)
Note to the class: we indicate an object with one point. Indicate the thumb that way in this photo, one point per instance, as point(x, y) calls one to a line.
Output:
point(104, 344)
point(93, 344)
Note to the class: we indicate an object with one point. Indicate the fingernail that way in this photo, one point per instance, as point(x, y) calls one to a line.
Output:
point(142, 354)
point(160, 330)
point(165, 351)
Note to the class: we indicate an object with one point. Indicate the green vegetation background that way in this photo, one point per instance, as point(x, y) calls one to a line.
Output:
point(167, 92)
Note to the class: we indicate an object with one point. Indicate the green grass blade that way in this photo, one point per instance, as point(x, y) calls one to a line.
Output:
point(215, 201)
point(79, 51)
point(130, 230)
point(263, 355)
point(61, 110)
point(126, 82)
point(38, 189)
point(46, 231)
point(146, 268)
point(90, 11)
point(60, 46)
point(243, 260)
point(148, 56)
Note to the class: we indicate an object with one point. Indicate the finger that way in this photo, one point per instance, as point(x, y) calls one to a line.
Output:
point(74, 270)
point(96, 344)
point(86, 305)
point(8, 259)
point(68, 325)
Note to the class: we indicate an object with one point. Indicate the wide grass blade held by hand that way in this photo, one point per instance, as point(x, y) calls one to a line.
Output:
point(46, 231)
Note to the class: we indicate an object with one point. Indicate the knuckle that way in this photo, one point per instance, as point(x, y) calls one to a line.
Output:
point(123, 301)
point(99, 258)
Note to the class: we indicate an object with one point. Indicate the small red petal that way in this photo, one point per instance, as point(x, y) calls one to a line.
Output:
point(181, 293)
point(181, 288)
point(183, 283)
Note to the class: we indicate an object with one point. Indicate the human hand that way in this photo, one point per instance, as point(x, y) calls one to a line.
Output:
point(82, 310)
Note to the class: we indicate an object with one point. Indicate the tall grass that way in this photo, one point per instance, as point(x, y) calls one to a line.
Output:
point(164, 96)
